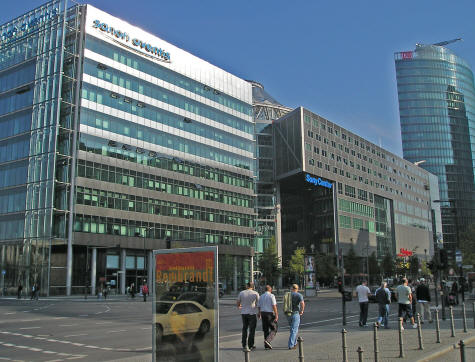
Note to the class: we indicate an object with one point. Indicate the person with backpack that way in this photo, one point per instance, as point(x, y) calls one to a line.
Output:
point(145, 292)
point(423, 298)
point(383, 298)
point(294, 307)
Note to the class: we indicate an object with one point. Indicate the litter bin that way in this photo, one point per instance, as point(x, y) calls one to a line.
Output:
point(347, 296)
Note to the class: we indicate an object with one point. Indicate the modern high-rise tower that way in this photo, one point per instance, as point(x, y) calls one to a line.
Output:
point(437, 111)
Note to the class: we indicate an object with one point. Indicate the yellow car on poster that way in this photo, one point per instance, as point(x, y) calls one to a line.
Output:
point(182, 317)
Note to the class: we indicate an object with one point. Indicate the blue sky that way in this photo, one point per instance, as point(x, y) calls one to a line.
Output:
point(332, 57)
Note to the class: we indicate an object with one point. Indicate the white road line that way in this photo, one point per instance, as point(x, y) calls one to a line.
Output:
point(95, 347)
point(52, 340)
point(49, 352)
point(10, 313)
point(67, 325)
point(83, 315)
point(30, 327)
point(35, 349)
point(78, 344)
point(118, 331)
point(43, 335)
point(60, 317)
point(75, 335)
point(77, 356)
point(100, 323)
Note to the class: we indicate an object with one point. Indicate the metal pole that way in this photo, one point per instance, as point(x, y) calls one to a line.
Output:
point(344, 347)
point(435, 285)
point(419, 331)
point(464, 318)
point(246, 355)
point(375, 335)
point(473, 313)
point(300, 342)
point(462, 351)
point(360, 354)
point(437, 326)
point(452, 325)
point(87, 272)
point(442, 296)
point(401, 342)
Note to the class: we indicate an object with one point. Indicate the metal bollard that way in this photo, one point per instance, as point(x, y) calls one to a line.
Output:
point(401, 342)
point(437, 326)
point(344, 347)
point(246, 355)
point(462, 351)
point(452, 324)
point(419, 331)
point(464, 318)
point(300, 342)
point(360, 354)
point(375, 333)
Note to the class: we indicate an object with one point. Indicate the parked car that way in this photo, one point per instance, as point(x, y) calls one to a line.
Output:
point(181, 317)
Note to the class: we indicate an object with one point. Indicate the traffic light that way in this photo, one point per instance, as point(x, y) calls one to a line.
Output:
point(340, 285)
point(431, 266)
point(443, 259)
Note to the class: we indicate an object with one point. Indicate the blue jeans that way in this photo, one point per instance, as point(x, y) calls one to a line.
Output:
point(294, 322)
point(383, 314)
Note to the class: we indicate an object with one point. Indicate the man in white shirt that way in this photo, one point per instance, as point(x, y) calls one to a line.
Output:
point(269, 315)
point(247, 303)
point(363, 292)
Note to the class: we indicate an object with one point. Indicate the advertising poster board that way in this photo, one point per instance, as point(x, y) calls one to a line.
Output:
point(309, 269)
point(185, 304)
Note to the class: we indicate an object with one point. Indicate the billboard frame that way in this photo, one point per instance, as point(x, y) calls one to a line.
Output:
point(213, 249)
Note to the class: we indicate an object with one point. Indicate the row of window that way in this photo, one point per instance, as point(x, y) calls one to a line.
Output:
point(151, 182)
point(12, 200)
point(356, 208)
point(107, 122)
point(347, 222)
point(14, 148)
point(134, 61)
point(149, 158)
point(15, 124)
point(118, 201)
point(17, 76)
point(12, 101)
point(11, 227)
point(13, 174)
point(125, 227)
point(164, 95)
point(189, 147)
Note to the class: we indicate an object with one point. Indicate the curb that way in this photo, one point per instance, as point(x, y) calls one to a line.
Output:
point(446, 350)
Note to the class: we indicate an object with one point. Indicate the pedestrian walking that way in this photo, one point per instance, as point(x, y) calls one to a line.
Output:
point(132, 290)
point(383, 298)
point(20, 288)
point(294, 307)
point(145, 292)
point(404, 299)
point(247, 303)
point(413, 285)
point(455, 291)
point(363, 293)
point(423, 298)
point(269, 315)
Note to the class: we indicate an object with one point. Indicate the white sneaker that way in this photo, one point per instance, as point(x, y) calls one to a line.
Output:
point(402, 328)
point(414, 325)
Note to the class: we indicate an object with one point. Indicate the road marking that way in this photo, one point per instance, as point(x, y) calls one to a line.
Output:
point(92, 347)
point(78, 344)
point(77, 356)
point(67, 325)
point(10, 313)
point(145, 328)
point(117, 331)
point(74, 335)
point(30, 327)
point(83, 315)
point(26, 311)
point(49, 352)
point(99, 323)
point(35, 349)
point(52, 340)
point(43, 335)
point(60, 317)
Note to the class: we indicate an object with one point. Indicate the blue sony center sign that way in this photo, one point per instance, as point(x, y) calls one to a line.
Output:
point(318, 181)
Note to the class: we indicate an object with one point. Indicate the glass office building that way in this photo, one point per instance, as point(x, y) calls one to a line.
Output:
point(114, 143)
point(437, 111)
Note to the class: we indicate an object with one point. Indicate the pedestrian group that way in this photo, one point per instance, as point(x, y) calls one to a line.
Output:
point(264, 307)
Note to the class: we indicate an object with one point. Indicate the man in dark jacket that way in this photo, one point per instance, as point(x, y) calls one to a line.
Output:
point(423, 298)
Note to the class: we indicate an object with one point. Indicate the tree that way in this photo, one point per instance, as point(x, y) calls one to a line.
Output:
point(387, 264)
point(413, 266)
point(296, 264)
point(352, 264)
point(325, 268)
point(374, 269)
point(467, 245)
point(269, 264)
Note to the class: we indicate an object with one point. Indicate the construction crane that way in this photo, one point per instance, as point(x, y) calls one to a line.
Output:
point(443, 43)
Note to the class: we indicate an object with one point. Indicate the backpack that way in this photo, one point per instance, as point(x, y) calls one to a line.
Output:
point(287, 303)
point(381, 296)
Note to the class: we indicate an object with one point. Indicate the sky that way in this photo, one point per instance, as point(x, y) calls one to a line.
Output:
point(335, 58)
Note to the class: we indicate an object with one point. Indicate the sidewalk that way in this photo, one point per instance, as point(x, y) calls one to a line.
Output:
point(325, 344)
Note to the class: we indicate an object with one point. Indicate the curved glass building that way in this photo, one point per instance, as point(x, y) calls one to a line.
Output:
point(437, 111)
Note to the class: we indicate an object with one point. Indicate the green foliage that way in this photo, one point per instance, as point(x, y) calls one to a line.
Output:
point(269, 264)
point(413, 266)
point(296, 264)
point(387, 264)
point(325, 268)
point(467, 245)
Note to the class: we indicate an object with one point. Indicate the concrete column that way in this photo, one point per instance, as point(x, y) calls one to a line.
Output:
point(122, 269)
point(235, 274)
point(93, 271)
point(150, 270)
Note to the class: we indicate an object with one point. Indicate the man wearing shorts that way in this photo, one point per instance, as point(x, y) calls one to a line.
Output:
point(404, 299)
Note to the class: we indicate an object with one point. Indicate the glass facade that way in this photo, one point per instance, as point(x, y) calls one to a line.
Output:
point(437, 111)
point(97, 138)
